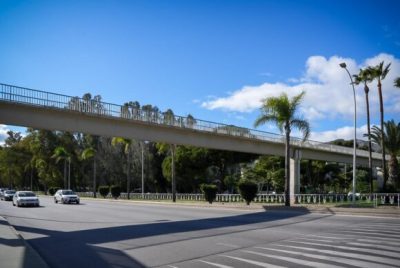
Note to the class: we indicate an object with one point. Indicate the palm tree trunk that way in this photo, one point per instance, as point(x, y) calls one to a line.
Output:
point(371, 186)
point(128, 179)
point(173, 173)
point(94, 177)
point(287, 168)
point(65, 173)
point(383, 135)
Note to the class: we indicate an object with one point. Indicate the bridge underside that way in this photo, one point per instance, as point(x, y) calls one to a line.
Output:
point(65, 120)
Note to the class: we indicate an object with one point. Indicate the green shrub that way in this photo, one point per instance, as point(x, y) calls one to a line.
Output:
point(210, 192)
point(52, 190)
point(115, 191)
point(248, 190)
point(104, 190)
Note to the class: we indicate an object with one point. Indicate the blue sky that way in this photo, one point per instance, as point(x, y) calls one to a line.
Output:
point(213, 59)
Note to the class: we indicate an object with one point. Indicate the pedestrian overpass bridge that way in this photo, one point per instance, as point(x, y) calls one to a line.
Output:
point(45, 110)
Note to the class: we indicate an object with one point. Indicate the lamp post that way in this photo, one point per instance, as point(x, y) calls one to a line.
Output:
point(343, 65)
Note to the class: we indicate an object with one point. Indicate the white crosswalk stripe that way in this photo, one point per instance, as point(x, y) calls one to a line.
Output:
point(363, 250)
point(336, 259)
point(294, 260)
point(346, 254)
point(261, 264)
point(216, 264)
point(364, 245)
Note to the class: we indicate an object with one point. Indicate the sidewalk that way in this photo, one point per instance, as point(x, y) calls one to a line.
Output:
point(15, 252)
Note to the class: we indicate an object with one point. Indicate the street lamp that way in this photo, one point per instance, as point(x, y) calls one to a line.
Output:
point(343, 65)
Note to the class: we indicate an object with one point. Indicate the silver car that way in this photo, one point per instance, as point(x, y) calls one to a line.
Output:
point(66, 196)
point(8, 195)
point(25, 198)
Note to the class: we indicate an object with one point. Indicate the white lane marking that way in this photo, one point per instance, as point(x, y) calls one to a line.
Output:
point(374, 237)
point(330, 258)
point(374, 242)
point(330, 237)
point(385, 231)
point(364, 250)
point(345, 254)
point(228, 245)
point(216, 264)
point(368, 233)
point(261, 264)
point(294, 260)
point(361, 245)
point(320, 240)
point(172, 266)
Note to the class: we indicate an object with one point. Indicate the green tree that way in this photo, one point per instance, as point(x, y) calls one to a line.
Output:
point(365, 77)
point(282, 111)
point(60, 154)
point(379, 73)
point(397, 82)
point(126, 143)
point(90, 153)
point(391, 140)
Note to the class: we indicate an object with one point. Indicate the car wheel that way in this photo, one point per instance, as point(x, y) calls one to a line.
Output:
point(55, 200)
point(13, 203)
point(77, 202)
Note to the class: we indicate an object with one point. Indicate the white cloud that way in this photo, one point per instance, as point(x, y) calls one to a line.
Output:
point(328, 93)
point(3, 133)
point(346, 133)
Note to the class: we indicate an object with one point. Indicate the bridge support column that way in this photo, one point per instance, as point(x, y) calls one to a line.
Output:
point(294, 175)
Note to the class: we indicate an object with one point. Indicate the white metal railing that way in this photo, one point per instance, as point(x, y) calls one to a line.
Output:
point(96, 107)
point(374, 199)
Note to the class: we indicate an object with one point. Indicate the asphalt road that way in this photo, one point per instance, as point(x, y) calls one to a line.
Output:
point(122, 234)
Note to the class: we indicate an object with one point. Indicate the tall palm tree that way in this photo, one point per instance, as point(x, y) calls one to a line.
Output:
point(60, 154)
point(379, 73)
point(365, 78)
point(90, 153)
point(392, 142)
point(126, 143)
point(282, 111)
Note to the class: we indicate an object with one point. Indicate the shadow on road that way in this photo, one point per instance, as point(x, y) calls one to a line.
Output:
point(80, 248)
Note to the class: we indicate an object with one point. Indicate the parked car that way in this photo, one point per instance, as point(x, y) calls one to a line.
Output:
point(25, 198)
point(2, 191)
point(66, 196)
point(8, 195)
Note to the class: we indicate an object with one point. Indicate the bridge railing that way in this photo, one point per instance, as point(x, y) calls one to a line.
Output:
point(146, 114)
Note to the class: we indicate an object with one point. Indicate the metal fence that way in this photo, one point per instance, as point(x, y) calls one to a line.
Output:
point(372, 200)
point(149, 115)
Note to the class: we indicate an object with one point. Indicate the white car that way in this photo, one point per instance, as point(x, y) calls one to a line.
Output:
point(25, 198)
point(66, 196)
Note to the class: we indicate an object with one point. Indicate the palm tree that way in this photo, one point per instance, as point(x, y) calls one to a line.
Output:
point(126, 143)
point(379, 72)
point(282, 111)
point(397, 82)
point(87, 154)
point(365, 77)
point(60, 154)
point(392, 142)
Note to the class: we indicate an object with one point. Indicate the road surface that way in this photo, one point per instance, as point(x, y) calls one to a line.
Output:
point(127, 234)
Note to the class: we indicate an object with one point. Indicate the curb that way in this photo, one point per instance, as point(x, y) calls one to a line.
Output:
point(33, 257)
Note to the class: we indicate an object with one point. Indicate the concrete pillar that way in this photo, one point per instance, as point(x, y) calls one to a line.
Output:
point(294, 174)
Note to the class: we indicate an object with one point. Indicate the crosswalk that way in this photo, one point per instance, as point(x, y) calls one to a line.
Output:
point(369, 245)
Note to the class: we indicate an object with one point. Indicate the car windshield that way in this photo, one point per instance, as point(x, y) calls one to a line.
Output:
point(10, 192)
point(68, 192)
point(26, 194)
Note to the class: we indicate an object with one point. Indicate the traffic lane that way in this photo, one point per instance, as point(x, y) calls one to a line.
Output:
point(104, 234)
